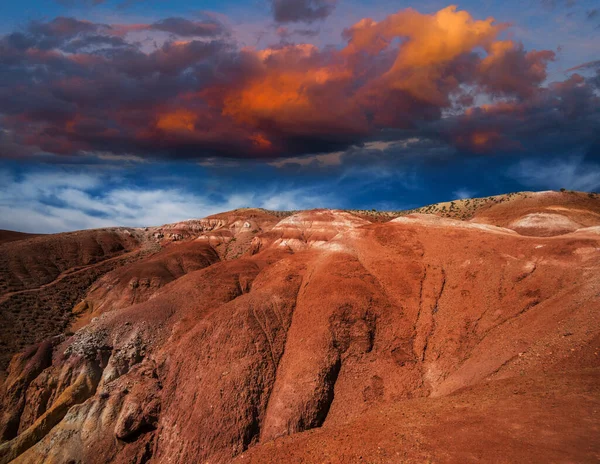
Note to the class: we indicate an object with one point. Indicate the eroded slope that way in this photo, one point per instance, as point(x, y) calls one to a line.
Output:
point(330, 338)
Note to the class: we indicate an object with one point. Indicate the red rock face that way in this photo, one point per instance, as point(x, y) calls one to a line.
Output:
point(330, 336)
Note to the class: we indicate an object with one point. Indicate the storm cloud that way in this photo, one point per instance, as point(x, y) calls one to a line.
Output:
point(70, 87)
point(289, 11)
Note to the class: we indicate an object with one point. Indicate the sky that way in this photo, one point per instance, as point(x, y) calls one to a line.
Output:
point(145, 112)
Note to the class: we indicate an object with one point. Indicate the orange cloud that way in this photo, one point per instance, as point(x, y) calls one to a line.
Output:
point(403, 72)
point(481, 139)
point(177, 121)
point(499, 108)
point(261, 141)
point(430, 39)
point(298, 86)
point(292, 91)
point(429, 44)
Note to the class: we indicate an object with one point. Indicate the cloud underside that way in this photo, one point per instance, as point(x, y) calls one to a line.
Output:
point(71, 87)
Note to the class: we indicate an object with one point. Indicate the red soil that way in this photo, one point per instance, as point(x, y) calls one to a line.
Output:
point(327, 337)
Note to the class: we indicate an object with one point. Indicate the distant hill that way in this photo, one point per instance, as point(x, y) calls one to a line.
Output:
point(12, 236)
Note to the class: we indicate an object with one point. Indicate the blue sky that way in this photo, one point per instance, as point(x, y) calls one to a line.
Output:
point(152, 111)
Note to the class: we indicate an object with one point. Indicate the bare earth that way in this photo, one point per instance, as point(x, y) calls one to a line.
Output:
point(460, 332)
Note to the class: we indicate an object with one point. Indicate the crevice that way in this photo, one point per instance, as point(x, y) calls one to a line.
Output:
point(326, 400)
point(148, 452)
point(526, 308)
point(240, 290)
point(420, 310)
point(251, 433)
point(502, 365)
point(142, 430)
point(439, 296)
point(526, 274)
point(434, 310)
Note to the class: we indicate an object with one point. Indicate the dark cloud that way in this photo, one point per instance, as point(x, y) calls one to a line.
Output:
point(558, 119)
point(185, 28)
point(69, 87)
point(510, 70)
point(94, 42)
point(61, 27)
point(306, 32)
point(288, 11)
point(285, 33)
point(50, 35)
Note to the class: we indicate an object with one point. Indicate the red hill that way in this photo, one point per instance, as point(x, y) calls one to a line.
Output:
point(460, 332)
